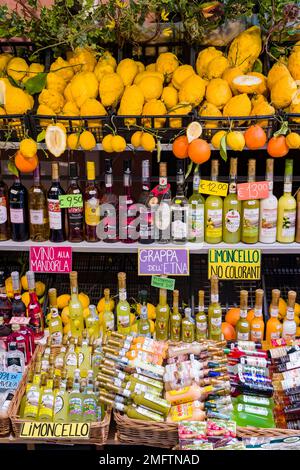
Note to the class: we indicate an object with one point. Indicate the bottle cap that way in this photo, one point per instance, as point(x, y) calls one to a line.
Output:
point(73, 170)
point(55, 171)
point(143, 296)
point(162, 169)
point(127, 166)
point(90, 170)
point(108, 165)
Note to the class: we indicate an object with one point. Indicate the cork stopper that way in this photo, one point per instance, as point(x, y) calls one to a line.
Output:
point(52, 293)
point(244, 299)
point(214, 281)
point(73, 278)
point(163, 169)
point(233, 166)
point(214, 168)
point(201, 297)
point(275, 297)
point(259, 294)
point(54, 171)
point(251, 169)
point(107, 294)
point(122, 280)
point(90, 171)
point(292, 298)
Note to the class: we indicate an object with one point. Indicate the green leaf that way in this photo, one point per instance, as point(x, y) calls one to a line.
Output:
point(189, 170)
point(283, 129)
point(12, 168)
point(258, 66)
point(36, 84)
point(41, 136)
point(223, 148)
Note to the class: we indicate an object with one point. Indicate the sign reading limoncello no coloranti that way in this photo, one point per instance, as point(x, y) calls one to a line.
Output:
point(234, 263)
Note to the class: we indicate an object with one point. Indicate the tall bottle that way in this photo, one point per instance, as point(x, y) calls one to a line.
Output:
point(92, 322)
point(55, 323)
point(127, 230)
point(289, 326)
point(5, 303)
point(201, 319)
point(123, 307)
point(232, 208)
point(18, 306)
point(243, 326)
point(214, 311)
point(92, 196)
point(298, 218)
point(75, 307)
point(162, 317)
point(38, 212)
point(257, 326)
point(268, 209)
point(286, 223)
point(144, 324)
point(75, 400)
point(46, 407)
point(179, 209)
point(89, 403)
point(18, 207)
point(213, 211)
point(163, 197)
point(4, 212)
point(188, 327)
point(109, 206)
point(71, 359)
point(56, 214)
point(108, 323)
point(274, 327)
point(74, 214)
point(61, 403)
point(175, 319)
point(250, 211)
point(34, 308)
point(196, 212)
point(146, 215)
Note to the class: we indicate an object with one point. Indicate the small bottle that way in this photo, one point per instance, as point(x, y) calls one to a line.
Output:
point(196, 212)
point(257, 327)
point(188, 326)
point(89, 402)
point(123, 307)
point(128, 231)
point(15, 362)
point(109, 207)
point(18, 206)
point(214, 312)
point(146, 215)
point(108, 323)
point(243, 326)
point(268, 209)
point(289, 325)
point(92, 196)
point(162, 317)
point(32, 402)
point(163, 212)
point(274, 327)
point(175, 318)
point(92, 322)
point(144, 324)
point(133, 411)
point(287, 206)
point(201, 319)
point(61, 404)
point(84, 356)
point(75, 214)
point(46, 407)
point(71, 359)
point(38, 212)
point(232, 209)
point(34, 308)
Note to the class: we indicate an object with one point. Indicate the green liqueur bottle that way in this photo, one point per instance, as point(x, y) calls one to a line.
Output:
point(144, 324)
point(250, 211)
point(232, 209)
point(196, 212)
point(162, 317)
point(201, 319)
point(214, 312)
point(175, 319)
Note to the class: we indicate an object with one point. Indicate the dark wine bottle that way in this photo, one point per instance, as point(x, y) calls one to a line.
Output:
point(75, 214)
point(56, 214)
point(18, 205)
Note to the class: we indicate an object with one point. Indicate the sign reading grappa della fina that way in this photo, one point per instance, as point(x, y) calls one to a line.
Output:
point(163, 261)
point(234, 263)
point(44, 430)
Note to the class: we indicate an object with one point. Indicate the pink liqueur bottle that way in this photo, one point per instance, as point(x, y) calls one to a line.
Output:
point(35, 314)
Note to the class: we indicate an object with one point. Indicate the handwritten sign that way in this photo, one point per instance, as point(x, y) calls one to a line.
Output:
point(234, 264)
point(253, 190)
point(50, 259)
point(214, 188)
point(163, 283)
point(168, 261)
point(19, 320)
point(9, 380)
point(42, 430)
point(70, 200)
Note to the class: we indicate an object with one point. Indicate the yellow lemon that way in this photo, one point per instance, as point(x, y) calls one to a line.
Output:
point(40, 288)
point(26, 298)
point(87, 141)
point(293, 140)
point(152, 326)
point(216, 140)
point(73, 141)
point(148, 142)
point(84, 299)
point(132, 318)
point(9, 287)
point(298, 331)
point(24, 282)
point(134, 328)
point(65, 315)
point(101, 305)
point(63, 301)
point(28, 148)
point(86, 312)
point(297, 309)
point(67, 328)
point(106, 143)
point(235, 140)
point(136, 139)
point(118, 143)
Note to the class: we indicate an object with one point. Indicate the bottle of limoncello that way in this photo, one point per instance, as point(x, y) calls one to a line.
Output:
point(55, 323)
point(123, 307)
point(108, 323)
point(214, 312)
point(75, 307)
point(175, 318)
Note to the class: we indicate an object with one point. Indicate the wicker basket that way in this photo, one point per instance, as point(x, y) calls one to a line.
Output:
point(99, 431)
point(251, 431)
point(145, 433)
point(5, 427)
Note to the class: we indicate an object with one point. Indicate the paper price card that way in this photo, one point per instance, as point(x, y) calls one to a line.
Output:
point(67, 201)
point(50, 259)
point(253, 190)
point(234, 264)
point(168, 261)
point(214, 188)
point(163, 283)
point(19, 321)
point(42, 430)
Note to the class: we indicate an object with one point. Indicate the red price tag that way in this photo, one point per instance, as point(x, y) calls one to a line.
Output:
point(19, 320)
point(253, 190)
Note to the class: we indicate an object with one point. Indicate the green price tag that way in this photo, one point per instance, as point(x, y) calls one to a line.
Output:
point(70, 200)
point(163, 282)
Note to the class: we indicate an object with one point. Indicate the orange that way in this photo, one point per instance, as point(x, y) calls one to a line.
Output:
point(180, 147)
point(199, 151)
point(277, 147)
point(228, 331)
point(255, 137)
point(233, 316)
point(24, 164)
point(250, 315)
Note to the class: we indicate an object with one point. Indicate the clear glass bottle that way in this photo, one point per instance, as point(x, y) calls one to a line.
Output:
point(268, 209)
point(123, 307)
point(162, 317)
point(92, 196)
point(232, 208)
point(298, 218)
point(163, 197)
point(18, 208)
point(92, 322)
point(15, 362)
point(146, 214)
point(188, 326)
point(38, 212)
point(108, 324)
point(286, 223)
point(201, 318)
point(243, 326)
point(128, 210)
point(214, 312)
point(109, 213)
point(213, 211)
point(4, 212)
point(250, 211)
point(71, 359)
point(274, 327)
point(5, 303)
point(257, 326)
point(56, 214)
point(36, 323)
point(196, 212)
point(75, 307)
point(89, 403)
point(75, 214)
point(179, 209)
point(175, 318)
point(144, 324)
point(55, 323)
point(75, 400)
point(289, 326)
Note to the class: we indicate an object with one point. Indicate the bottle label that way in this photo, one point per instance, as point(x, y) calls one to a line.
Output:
point(46, 406)
point(289, 329)
point(124, 320)
point(268, 224)
point(196, 223)
point(256, 400)
point(289, 223)
point(216, 322)
point(59, 404)
point(276, 334)
point(232, 220)
point(92, 211)
point(148, 414)
point(75, 218)
point(162, 216)
point(250, 222)
point(32, 402)
point(55, 218)
point(242, 336)
point(179, 224)
point(16, 216)
point(254, 410)
point(202, 326)
point(71, 360)
point(182, 412)
point(75, 406)
point(122, 298)
point(13, 364)
point(3, 210)
point(36, 216)
point(256, 334)
point(214, 298)
point(214, 223)
point(156, 399)
point(89, 408)
point(110, 325)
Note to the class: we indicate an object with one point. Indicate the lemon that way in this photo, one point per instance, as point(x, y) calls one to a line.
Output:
point(40, 288)
point(235, 140)
point(53, 99)
point(73, 141)
point(136, 139)
point(118, 143)
point(134, 328)
point(293, 140)
point(86, 312)
point(56, 139)
point(152, 326)
point(216, 140)
point(101, 305)
point(17, 68)
point(24, 283)
point(65, 315)
point(63, 301)
point(67, 328)
point(106, 143)
point(28, 148)
point(148, 142)
point(170, 96)
point(87, 140)
point(26, 298)
point(84, 299)
point(132, 318)
point(9, 287)
point(193, 131)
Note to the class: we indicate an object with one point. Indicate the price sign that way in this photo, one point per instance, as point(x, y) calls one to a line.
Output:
point(163, 283)
point(9, 380)
point(67, 201)
point(253, 190)
point(51, 259)
point(44, 430)
point(234, 264)
point(168, 261)
point(214, 188)
point(19, 320)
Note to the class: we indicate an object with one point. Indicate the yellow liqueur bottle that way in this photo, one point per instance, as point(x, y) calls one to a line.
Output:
point(232, 209)
point(108, 324)
point(214, 312)
point(188, 326)
point(243, 326)
point(162, 317)
point(250, 211)
point(175, 319)
point(123, 307)
point(55, 323)
point(287, 206)
point(75, 307)
point(213, 211)
point(201, 319)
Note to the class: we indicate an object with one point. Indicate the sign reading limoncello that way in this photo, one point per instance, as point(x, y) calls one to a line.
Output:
point(234, 263)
